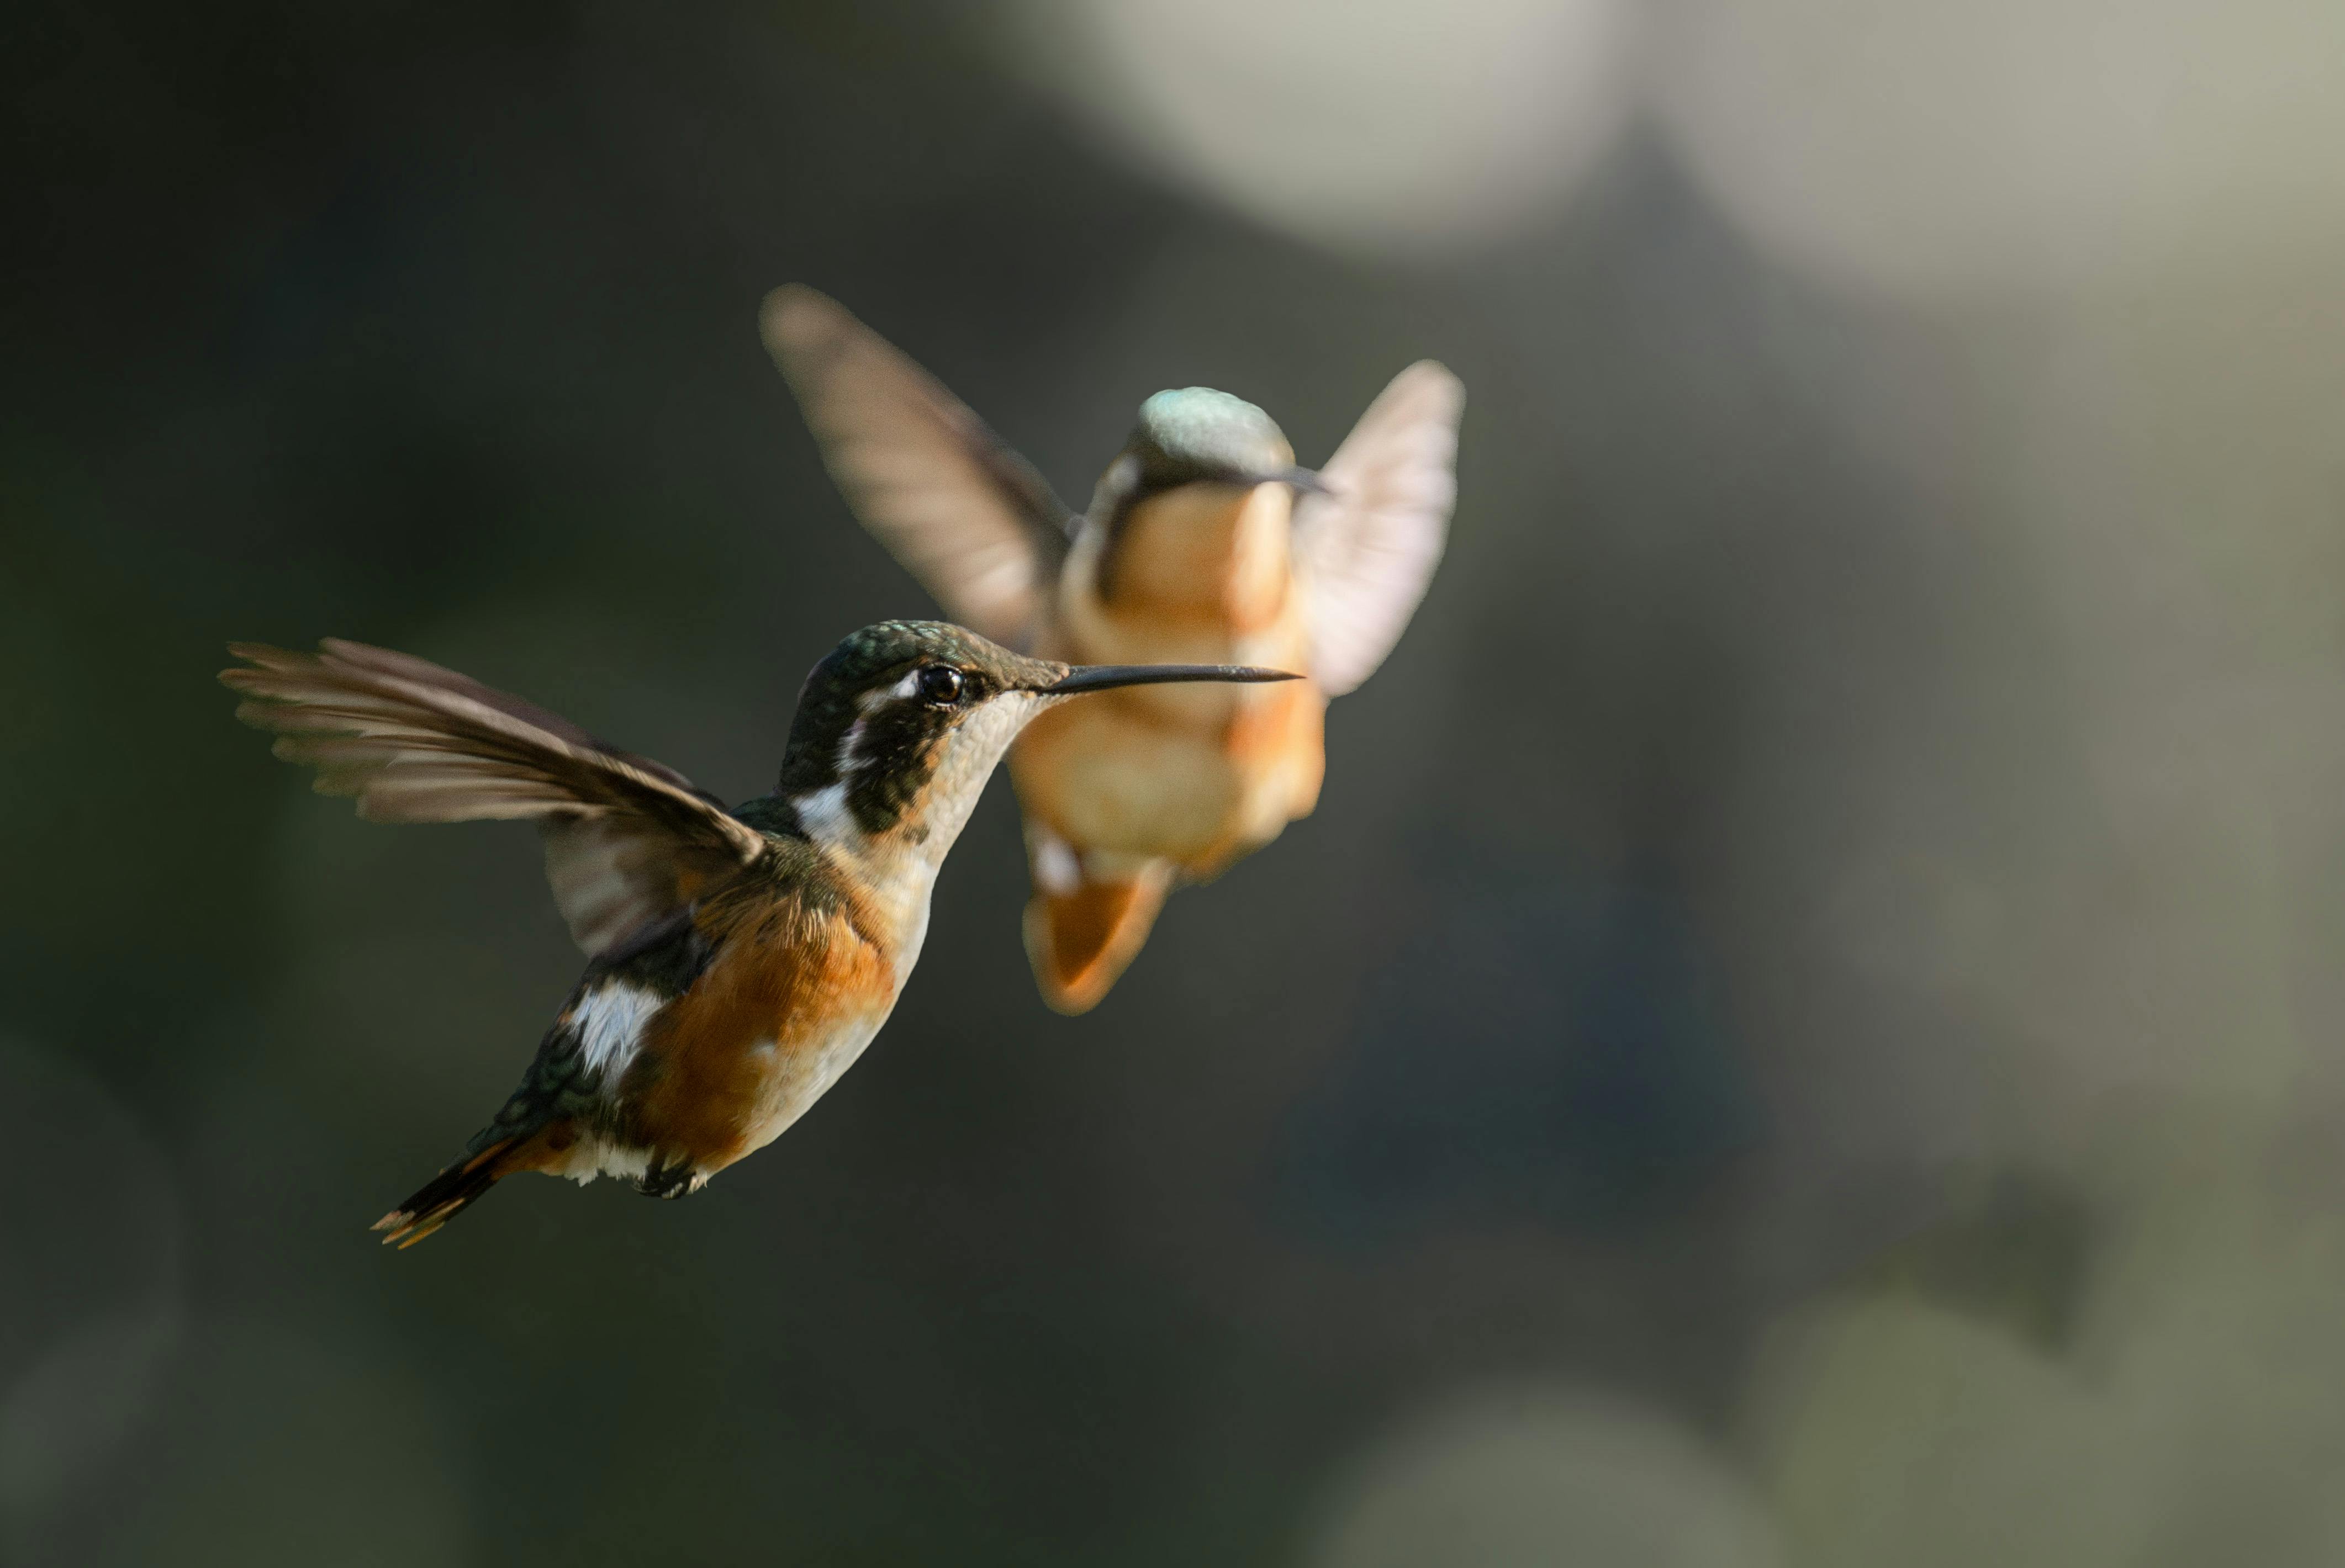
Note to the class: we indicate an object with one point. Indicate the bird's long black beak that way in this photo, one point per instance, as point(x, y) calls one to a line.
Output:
point(1106, 677)
point(1304, 479)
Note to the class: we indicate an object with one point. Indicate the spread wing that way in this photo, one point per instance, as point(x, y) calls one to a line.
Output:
point(1368, 548)
point(964, 513)
point(627, 840)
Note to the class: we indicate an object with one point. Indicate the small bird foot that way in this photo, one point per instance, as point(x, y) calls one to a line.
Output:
point(677, 1180)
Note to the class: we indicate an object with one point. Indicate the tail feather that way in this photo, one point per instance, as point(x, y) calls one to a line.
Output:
point(1082, 935)
point(447, 1194)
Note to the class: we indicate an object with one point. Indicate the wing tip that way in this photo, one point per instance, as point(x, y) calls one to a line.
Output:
point(259, 710)
point(1435, 377)
point(260, 659)
point(349, 651)
point(797, 318)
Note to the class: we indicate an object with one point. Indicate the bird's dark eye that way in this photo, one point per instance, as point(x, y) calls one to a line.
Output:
point(940, 685)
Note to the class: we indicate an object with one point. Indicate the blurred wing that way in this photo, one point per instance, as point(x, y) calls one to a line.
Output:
point(964, 513)
point(1368, 548)
point(627, 840)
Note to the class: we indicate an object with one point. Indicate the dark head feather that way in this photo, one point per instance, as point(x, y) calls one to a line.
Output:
point(895, 741)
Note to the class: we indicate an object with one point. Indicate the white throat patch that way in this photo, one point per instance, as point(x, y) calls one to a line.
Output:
point(823, 813)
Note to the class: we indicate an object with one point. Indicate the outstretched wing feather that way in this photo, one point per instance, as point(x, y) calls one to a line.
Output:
point(627, 840)
point(1368, 548)
point(970, 519)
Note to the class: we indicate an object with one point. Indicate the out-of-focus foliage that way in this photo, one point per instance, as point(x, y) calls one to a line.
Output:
point(1802, 1034)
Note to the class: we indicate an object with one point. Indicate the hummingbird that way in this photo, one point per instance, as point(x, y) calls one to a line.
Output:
point(738, 959)
point(1204, 540)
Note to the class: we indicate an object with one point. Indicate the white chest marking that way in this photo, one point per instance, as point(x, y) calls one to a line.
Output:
point(610, 1024)
point(1055, 865)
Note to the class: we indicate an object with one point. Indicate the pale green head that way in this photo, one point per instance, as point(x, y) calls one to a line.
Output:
point(1196, 432)
point(1195, 435)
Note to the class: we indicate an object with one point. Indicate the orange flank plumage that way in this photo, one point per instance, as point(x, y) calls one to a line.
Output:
point(792, 995)
point(793, 989)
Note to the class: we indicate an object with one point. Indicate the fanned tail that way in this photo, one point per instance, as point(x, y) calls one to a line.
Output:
point(1081, 935)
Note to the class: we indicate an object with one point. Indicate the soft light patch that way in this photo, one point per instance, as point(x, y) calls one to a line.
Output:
point(1921, 149)
point(1379, 125)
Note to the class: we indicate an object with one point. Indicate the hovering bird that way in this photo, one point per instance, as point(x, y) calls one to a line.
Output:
point(1195, 546)
point(738, 960)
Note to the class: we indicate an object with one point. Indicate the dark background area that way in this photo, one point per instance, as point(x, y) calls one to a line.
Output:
point(1802, 1032)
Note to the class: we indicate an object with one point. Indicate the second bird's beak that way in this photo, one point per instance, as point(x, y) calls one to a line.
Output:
point(1106, 677)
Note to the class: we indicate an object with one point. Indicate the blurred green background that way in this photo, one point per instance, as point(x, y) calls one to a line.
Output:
point(1803, 1034)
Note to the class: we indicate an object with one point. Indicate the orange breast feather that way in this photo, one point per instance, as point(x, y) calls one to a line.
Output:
point(1197, 774)
point(790, 1000)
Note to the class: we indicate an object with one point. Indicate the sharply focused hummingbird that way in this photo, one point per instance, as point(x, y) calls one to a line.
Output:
point(738, 960)
point(1195, 546)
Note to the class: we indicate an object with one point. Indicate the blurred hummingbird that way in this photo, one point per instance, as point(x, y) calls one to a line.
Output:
point(738, 960)
point(1194, 547)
